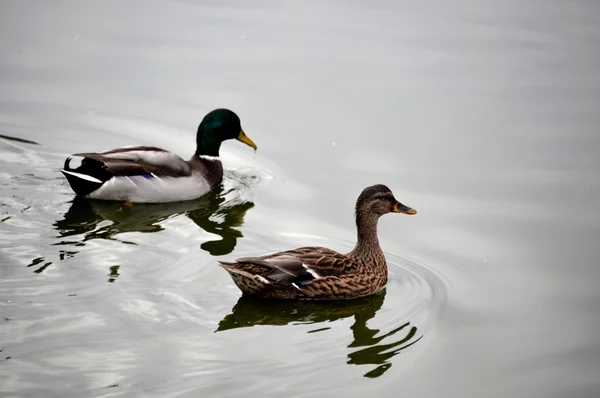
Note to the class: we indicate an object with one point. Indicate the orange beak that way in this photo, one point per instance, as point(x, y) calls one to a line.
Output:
point(400, 208)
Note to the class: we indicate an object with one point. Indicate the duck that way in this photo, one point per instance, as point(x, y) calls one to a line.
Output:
point(147, 174)
point(319, 273)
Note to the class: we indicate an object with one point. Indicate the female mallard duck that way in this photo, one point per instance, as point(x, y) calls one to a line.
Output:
point(320, 273)
point(144, 174)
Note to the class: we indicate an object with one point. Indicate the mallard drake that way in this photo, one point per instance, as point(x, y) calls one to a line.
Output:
point(146, 174)
point(321, 273)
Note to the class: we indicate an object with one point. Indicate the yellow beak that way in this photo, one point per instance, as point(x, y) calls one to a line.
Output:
point(242, 137)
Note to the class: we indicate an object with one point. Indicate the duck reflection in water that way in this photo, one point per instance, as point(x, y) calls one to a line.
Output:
point(253, 311)
point(213, 212)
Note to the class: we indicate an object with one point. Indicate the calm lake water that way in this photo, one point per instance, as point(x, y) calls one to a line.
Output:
point(482, 115)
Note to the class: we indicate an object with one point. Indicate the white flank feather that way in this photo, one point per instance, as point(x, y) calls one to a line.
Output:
point(82, 176)
point(262, 279)
point(311, 271)
point(140, 189)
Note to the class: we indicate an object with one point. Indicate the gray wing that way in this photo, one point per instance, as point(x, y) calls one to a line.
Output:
point(140, 160)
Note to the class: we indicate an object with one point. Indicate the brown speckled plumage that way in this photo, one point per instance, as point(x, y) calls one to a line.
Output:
point(320, 273)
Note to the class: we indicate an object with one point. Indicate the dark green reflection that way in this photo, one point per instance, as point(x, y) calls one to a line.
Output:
point(114, 273)
point(251, 311)
point(38, 261)
point(214, 213)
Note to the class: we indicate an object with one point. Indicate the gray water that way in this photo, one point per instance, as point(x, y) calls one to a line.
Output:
point(482, 115)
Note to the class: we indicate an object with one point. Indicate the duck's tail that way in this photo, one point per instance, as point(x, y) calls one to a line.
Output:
point(245, 281)
point(233, 268)
point(86, 178)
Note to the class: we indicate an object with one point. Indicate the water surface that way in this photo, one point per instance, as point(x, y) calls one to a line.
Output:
point(481, 115)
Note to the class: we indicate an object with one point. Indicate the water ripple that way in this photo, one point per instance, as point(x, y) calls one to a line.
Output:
point(371, 331)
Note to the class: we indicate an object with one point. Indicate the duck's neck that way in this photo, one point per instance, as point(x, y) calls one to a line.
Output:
point(367, 244)
point(207, 143)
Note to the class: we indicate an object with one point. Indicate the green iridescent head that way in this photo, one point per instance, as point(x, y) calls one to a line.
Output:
point(217, 126)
